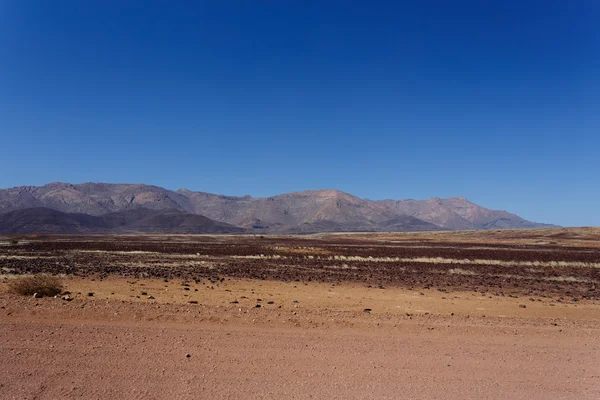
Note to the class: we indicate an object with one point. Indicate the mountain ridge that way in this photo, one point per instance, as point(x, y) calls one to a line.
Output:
point(303, 211)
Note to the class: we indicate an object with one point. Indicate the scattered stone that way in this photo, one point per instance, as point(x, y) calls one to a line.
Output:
point(257, 306)
point(188, 355)
point(295, 301)
point(150, 297)
point(186, 288)
point(270, 302)
point(193, 302)
point(522, 306)
point(235, 302)
point(144, 293)
point(90, 294)
point(37, 296)
point(367, 310)
point(67, 298)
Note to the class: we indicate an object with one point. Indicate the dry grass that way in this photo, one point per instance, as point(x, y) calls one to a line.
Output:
point(302, 250)
point(43, 285)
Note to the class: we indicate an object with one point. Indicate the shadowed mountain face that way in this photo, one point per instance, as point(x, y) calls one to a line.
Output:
point(46, 220)
point(300, 212)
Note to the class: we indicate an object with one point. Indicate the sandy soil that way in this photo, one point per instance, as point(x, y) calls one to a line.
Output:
point(319, 344)
point(465, 315)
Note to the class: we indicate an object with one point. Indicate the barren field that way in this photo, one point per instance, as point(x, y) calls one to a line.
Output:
point(503, 314)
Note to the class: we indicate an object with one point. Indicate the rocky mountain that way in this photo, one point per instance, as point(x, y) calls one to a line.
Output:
point(46, 220)
point(299, 212)
point(458, 214)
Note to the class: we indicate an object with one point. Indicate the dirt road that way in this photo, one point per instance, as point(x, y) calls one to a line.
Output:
point(101, 349)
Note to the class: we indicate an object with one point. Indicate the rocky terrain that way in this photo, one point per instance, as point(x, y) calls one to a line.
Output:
point(299, 212)
point(441, 315)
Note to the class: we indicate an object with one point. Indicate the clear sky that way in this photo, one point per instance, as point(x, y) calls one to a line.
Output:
point(497, 101)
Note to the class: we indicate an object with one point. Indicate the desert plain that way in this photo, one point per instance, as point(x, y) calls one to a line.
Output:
point(510, 314)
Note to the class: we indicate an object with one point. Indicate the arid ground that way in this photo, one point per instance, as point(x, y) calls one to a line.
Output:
point(442, 315)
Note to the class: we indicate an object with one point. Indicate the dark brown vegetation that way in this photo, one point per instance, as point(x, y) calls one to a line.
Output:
point(558, 270)
point(39, 285)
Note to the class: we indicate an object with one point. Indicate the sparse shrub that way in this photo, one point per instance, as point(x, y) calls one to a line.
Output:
point(43, 285)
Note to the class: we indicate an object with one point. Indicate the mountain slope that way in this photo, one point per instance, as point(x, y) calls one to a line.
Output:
point(458, 214)
point(307, 211)
point(92, 198)
point(407, 223)
point(46, 220)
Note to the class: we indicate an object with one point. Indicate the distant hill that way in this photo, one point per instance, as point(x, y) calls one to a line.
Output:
point(46, 220)
point(138, 207)
point(141, 220)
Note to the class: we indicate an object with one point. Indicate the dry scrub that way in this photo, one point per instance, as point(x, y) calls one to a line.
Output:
point(43, 285)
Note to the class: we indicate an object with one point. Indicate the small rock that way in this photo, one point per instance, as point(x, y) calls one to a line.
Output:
point(37, 296)
point(90, 294)
point(257, 306)
point(150, 297)
point(270, 302)
point(193, 302)
point(67, 298)
point(522, 306)
point(367, 310)
point(188, 355)
point(144, 293)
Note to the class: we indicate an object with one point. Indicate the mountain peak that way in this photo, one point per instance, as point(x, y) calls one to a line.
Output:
point(313, 210)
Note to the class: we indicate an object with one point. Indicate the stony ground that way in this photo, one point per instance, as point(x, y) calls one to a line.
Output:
point(184, 317)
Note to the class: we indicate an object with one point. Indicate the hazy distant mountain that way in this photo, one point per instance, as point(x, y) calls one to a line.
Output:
point(300, 212)
point(46, 220)
point(458, 214)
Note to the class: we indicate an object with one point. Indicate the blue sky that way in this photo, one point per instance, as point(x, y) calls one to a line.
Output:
point(495, 101)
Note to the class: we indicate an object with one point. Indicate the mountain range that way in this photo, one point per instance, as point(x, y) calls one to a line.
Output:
point(104, 207)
